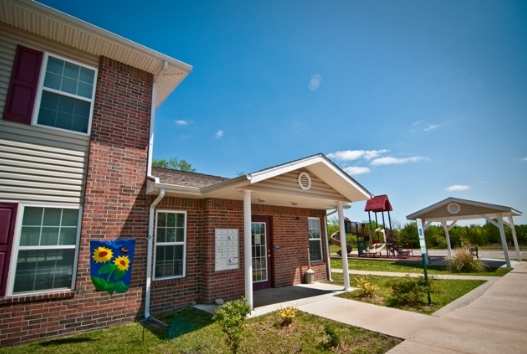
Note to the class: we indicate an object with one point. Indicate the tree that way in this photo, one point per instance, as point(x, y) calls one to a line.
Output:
point(174, 164)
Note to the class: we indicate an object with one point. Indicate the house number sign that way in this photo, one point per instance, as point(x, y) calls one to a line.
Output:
point(227, 249)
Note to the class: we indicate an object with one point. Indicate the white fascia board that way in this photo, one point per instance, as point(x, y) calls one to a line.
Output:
point(238, 182)
point(285, 168)
point(191, 191)
point(101, 33)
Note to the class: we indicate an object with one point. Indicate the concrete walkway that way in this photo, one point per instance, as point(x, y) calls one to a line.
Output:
point(490, 319)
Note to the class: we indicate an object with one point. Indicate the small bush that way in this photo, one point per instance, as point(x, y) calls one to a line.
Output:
point(366, 288)
point(463, 260)
point(409, 291)
point(231, 318)
point(286, 316)
point(333, 337)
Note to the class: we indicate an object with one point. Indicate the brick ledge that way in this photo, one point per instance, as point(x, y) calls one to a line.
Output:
point(19, 299)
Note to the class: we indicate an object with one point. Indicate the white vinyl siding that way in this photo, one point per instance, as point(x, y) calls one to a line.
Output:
point(315, 239)
point(44, 257)
point(32, 172)
point(170, 250)
point(39, 164)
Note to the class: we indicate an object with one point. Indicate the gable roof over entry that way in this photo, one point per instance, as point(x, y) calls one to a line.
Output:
point(282, 185)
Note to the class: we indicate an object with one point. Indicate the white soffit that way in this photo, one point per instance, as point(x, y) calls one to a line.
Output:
point(49, 23)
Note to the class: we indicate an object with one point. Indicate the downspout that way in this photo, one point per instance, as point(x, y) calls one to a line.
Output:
point(150, 236)
point(149, 251)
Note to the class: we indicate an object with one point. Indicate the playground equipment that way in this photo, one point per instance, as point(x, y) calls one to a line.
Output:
point(381, 204)
point(355, 228)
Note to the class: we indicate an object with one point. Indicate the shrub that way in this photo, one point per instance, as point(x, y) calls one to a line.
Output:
point(231, 318)
point(408, 291)
point(366, 288)
point(463, 260)
point(286, 316)
point(333, 337)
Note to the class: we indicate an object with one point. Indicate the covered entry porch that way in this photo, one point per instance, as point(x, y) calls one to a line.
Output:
point(289, 201)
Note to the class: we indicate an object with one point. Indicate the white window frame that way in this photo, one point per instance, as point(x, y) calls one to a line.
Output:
point(16, 248)
point(41, 88)
point(319, 239)
point(176, 243)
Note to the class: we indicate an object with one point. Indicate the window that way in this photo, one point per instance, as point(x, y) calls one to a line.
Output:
point(66, 99)
point(170, 244)
point(47, 248)
point(315, 241)
point(60, 91)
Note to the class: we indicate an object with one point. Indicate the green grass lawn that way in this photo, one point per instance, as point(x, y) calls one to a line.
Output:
point(448, 291)
point(197, 333)
point(402, 267)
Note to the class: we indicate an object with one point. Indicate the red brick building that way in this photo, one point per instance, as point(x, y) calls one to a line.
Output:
point(76, 134)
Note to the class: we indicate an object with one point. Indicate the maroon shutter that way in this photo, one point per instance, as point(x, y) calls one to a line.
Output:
point(7, 230)
point(23, 85)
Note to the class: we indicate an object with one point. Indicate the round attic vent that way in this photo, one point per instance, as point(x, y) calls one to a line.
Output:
point(453, 208)
point(304, 181)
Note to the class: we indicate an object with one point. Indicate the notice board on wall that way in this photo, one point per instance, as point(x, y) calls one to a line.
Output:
point(227, 249)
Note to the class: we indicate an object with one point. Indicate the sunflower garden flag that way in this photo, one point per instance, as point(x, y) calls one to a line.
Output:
point(111, 265)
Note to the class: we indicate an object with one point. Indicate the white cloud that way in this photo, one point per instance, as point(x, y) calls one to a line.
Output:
point(356, 170)
point(350, 155)
point(181, 122)
point(314, 83)
point(524, 159)
point(394, 160)
point(457, 187)
point(219, 134)
point(432, 127)
point(417, 122)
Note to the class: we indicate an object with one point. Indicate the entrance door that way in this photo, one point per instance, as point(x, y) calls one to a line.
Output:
point(7, 230)
point(261, 252)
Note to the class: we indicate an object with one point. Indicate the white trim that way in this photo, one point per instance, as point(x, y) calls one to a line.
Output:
point(41, 88)
point(315, 239)
point(16, 247)
point(174, 243)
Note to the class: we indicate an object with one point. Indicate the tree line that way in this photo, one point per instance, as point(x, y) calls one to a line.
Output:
point(481, 235)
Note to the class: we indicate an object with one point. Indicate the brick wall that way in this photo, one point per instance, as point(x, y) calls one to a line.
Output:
point(202, 283)
point(115, 207)
point(174, 293)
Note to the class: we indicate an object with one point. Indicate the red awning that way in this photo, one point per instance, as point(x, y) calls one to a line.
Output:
point(378, 203)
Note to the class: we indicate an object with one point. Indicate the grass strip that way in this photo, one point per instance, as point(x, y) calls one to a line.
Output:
point(401, 266)
point(448, 291)
point(198, 333)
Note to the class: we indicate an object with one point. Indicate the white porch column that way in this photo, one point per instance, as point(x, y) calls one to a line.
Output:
point(247, 247)
point(504, 241)
point(344, 247)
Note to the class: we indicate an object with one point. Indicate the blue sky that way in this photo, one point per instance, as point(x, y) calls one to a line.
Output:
point(419, 100)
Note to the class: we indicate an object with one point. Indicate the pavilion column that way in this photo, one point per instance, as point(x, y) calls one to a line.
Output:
point(247, 247)
point(504, 240)
point(344, 247)
point(447, 234)
point(515, 239)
